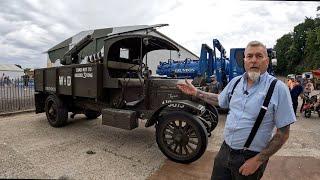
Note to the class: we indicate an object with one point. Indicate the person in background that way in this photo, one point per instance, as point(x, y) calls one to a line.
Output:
point(305, 81)
point(290, 83)
point(295, 92)
point(2, 79)
point(7, 80)
point(25, 80)
point(308, 88)
point(214, 86)
point(199, 81)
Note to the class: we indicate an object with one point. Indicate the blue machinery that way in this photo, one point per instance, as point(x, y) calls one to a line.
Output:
point(209, 64)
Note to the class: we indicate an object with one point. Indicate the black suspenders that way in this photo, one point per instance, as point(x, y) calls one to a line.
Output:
point(234, 86)
point(262, 112)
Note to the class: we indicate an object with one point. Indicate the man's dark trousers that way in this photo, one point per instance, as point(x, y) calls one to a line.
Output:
point(228, 161)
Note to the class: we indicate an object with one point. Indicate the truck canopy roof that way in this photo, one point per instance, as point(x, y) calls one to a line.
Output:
point(97, 36)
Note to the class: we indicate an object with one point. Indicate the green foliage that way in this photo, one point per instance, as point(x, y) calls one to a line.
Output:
point(299, 51)
point(281, 48)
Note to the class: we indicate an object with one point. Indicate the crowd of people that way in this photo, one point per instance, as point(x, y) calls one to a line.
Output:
point(5, 80)
point(300, 89)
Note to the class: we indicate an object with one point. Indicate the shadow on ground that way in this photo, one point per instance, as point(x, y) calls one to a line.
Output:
point(279, 167)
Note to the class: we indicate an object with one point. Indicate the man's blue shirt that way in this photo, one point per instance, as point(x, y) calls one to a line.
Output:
point(245, 107)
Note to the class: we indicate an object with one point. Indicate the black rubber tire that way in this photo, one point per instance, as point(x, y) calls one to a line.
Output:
point(214, 110)
point(194, 125)
point(307, 114)
point(90, 114)
point(56, 111)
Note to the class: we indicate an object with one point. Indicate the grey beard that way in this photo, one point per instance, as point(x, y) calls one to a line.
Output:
point(254, 75)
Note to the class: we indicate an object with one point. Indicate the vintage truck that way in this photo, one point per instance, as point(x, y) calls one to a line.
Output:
point(114, 81)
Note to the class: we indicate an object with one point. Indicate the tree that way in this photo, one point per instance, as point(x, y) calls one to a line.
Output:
point(281, 47)
point(300, 50)
point(313, 48)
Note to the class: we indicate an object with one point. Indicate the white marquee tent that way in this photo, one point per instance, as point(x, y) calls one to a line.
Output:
point(10, 70)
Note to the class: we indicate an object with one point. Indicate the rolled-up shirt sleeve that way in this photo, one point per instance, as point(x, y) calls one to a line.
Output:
point(223, 98)
point(284, 114)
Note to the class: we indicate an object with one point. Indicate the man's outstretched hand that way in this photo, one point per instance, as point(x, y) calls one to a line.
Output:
point(187, 88)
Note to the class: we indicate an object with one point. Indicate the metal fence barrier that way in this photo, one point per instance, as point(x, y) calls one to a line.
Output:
point(16, 95)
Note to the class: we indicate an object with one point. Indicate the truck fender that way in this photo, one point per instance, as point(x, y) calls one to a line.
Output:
point(199, 108)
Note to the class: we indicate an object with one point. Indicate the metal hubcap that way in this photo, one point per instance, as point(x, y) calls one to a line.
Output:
point(180, 138)
point(52, 112)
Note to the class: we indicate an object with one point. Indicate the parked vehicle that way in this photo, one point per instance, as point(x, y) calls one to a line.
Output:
point(312, 105)
point(307, 75)
point(118, 86)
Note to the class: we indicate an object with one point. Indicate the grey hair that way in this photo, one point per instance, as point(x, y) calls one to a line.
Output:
point(255, 44)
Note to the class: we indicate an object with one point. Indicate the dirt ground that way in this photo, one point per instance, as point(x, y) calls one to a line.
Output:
point(298, 159)
point(84, 149)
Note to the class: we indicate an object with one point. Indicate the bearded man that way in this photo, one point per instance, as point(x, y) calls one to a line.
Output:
point(257, 104)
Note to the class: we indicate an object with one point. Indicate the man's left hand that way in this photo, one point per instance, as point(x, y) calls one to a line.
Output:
point(250, 166)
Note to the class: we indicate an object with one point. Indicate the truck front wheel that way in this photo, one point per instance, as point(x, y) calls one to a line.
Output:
point(181, 136)
point(56, 112)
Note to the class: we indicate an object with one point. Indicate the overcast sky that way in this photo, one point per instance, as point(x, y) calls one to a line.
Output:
point(30, 27)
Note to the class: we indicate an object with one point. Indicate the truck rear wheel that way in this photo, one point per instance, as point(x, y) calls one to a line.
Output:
point(56, 112)
point(90, 114)
point(181, 137)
